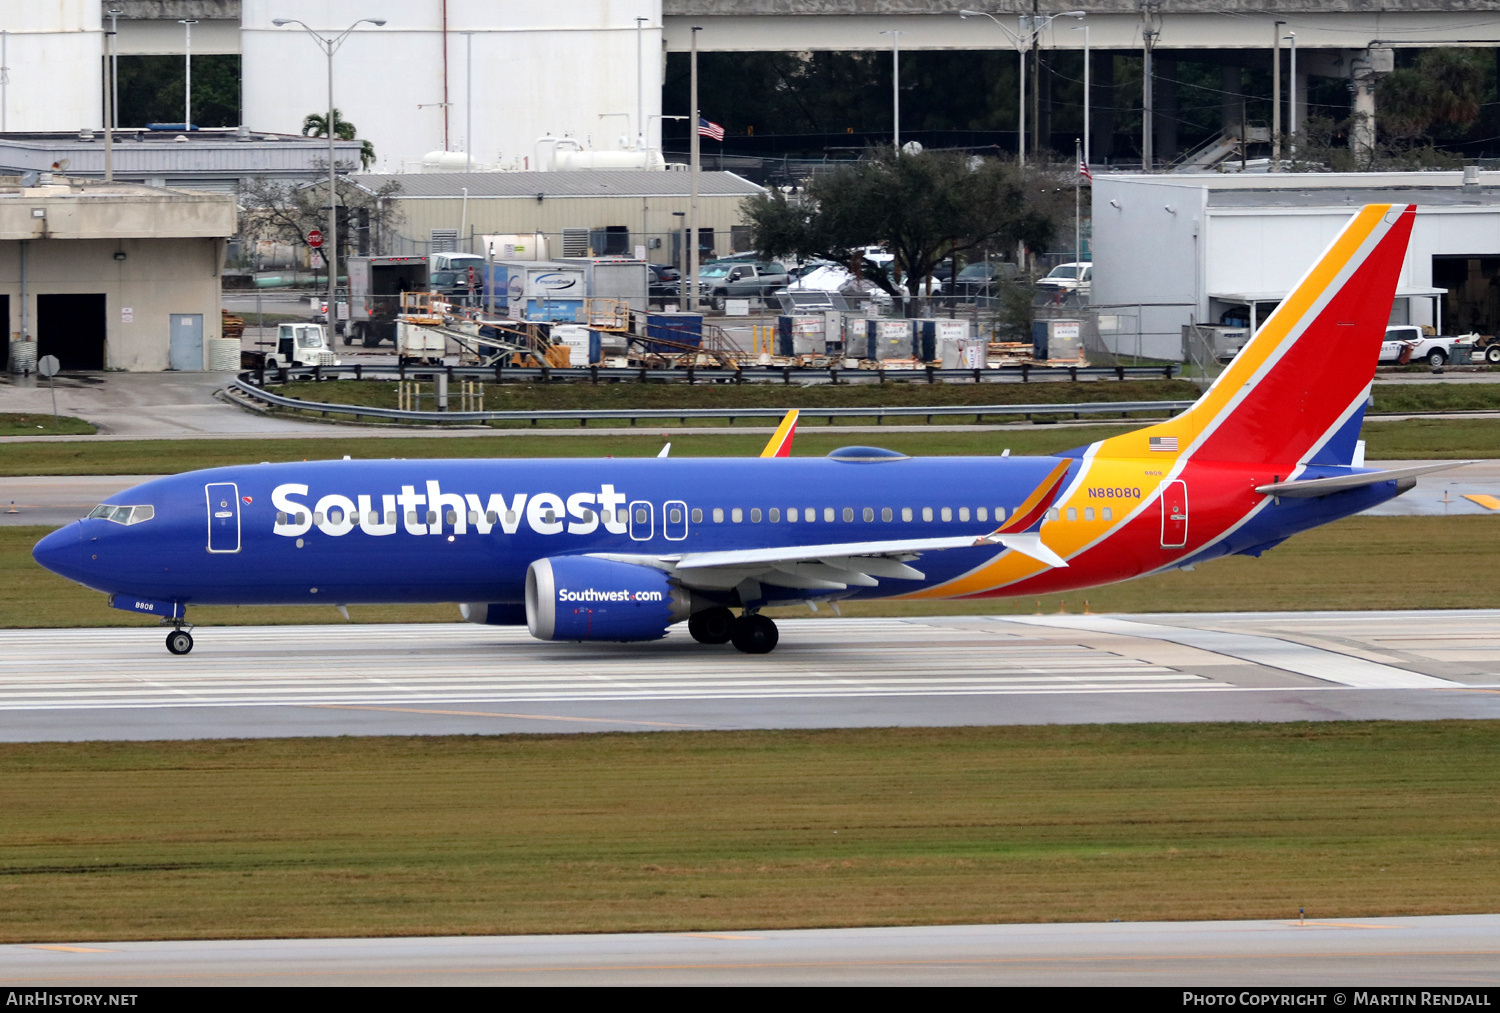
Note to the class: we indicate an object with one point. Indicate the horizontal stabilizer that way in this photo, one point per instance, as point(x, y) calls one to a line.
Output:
point(1308, 488)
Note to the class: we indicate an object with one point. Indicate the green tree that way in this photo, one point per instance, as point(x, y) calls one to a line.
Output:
point(1442, 94)
point(316, 125)
point(923, 208)
point(151, 90)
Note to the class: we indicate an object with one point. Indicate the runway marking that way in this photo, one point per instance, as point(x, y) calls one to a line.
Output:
point(1339, 925)
point(497, 714)
point(73, 949)
point(717, 935)
point(1043, 960)
point(1483, 499)
point(1273, 652)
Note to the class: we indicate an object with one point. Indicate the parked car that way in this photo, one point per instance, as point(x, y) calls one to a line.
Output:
point(721, 280)
point(1075, 277)
point(663, 285)
point(1435, 350)
point(980, 280)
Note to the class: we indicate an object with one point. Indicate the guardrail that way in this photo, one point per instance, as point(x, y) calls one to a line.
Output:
point(586, 415)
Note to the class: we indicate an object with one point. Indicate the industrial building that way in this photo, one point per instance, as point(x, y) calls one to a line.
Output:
point(219, 160)
point(112, 276)
point(1226, 248)
point(488, 79)
point(606, 212)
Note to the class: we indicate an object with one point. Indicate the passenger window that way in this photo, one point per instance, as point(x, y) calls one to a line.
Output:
point(1088, 513)
point(737, 515)
point(492, 517)
point(828, 515)
point(432, 516)
point(999, 513)
point(317, 517)
point(1052, 514)
point(718, 515)
point(869, 514)
point(452, 516)
point(927, 513)
point(810, 514)
point(697, 515)
point(1109, 513)
point(848, 514)
point(280, 517)
point(885, 513)
point(510, 518)
point(963, 513)
point(411, 517)
point(775, 516)
point(982, 513)
point(791, 515)
point(947, 513)
point(906, 513)
point(1072, 513)
point(755, 515)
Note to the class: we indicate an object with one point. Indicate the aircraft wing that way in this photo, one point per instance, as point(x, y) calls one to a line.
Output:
point(1307, 488)
point(833, 566)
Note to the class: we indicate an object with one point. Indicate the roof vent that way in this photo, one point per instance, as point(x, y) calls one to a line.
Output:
point(1471, 175)
point(866, 455)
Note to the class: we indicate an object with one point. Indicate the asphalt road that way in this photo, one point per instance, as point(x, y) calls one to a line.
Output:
point(962, 670)
point(1453, 954)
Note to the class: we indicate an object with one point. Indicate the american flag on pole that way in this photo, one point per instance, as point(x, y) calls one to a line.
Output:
point(710, 130)
point(1083, 170)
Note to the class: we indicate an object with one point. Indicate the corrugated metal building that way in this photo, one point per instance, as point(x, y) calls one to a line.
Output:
point(608, 211)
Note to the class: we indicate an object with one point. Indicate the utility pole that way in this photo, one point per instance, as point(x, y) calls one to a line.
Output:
point(692, 222)
point(114, 64)
point(1148, 125)
point(1275, 96)
point(896, 86)
point(109, 104)
point(1291, 109)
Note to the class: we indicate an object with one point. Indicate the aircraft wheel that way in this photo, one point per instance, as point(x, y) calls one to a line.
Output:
point(711, 626)
point(179, 641)
point(754, 634)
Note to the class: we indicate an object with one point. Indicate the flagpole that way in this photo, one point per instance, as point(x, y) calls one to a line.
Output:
point(1077, 191)
point(692, 218)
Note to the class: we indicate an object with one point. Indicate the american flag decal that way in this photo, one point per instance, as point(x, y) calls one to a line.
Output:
point(1164, 443)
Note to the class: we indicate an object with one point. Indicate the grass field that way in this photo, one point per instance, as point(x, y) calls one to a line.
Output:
point(1359, 563)
point(42, 424)
point(697, 831)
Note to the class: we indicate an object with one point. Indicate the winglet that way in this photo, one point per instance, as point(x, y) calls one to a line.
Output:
point(781, 440)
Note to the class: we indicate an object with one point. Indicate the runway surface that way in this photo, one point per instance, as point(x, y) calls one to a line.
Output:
point(1452, 954)
point(960, 670)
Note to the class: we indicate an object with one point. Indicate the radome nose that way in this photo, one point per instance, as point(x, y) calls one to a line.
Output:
point(62, 551)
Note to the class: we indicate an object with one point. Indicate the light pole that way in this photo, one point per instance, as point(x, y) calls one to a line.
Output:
point(187, 91)
point(896, 83)
point(1087, 137)
point(330, 44)
point(1291, 111)
point(1275, 97)
point(114, 65)
point(1031, 26)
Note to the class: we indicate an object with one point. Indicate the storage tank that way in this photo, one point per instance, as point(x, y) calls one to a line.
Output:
point(515, 246)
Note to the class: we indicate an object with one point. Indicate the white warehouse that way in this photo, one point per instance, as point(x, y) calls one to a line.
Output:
point(1225, 249)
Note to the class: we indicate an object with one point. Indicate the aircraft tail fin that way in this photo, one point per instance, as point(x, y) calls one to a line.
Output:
point(1296, 393)
point(780, 444)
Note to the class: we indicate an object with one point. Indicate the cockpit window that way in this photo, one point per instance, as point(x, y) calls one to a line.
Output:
point(123, 514)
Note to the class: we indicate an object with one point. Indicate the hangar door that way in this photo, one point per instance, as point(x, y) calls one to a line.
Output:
point(1473, 299)
point(71, 327)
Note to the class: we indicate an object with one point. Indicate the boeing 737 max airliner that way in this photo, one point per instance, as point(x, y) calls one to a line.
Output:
point(620, 549)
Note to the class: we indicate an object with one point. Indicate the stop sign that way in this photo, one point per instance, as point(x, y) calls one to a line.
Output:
point(315, 238)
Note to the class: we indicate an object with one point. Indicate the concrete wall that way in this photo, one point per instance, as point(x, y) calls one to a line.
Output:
point(124, 212)
point(55, 55)
point(1146, 254)
point(157, 278)
point(538, 69)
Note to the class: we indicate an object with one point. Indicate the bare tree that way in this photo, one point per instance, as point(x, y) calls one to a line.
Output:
point(288, 211)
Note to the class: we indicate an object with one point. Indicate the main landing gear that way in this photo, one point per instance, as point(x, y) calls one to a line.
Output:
point(752, 633)
point(179, 641)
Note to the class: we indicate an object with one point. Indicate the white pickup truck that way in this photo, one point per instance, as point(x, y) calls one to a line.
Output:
point(1433, 350)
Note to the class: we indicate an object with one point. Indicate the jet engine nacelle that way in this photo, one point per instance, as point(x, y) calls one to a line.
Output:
point(586, 598)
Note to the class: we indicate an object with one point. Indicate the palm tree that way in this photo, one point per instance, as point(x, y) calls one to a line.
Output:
point(316, 125)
